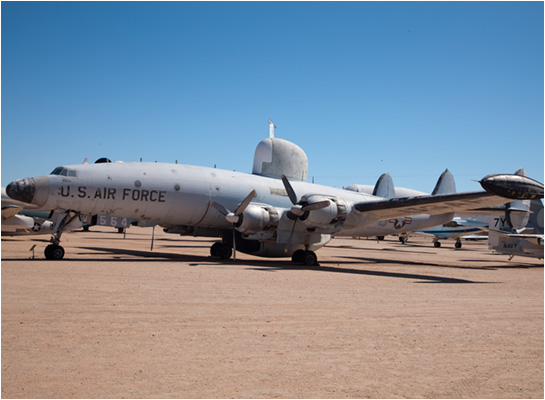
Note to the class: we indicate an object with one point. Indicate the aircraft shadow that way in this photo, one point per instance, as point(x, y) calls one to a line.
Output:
point(275, 265)
point(147, 254)
point(419, 278)
point(410, 263)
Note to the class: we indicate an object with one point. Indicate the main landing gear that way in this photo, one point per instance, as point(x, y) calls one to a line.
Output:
point(458, 244)
point(224, 251)
point(221, 250)
point(54, 251)
point(305, 257)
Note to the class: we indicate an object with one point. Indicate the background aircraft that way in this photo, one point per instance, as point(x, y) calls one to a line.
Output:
point(528, 241)
point(456, 229)
point(20, 218)
point(272, 212)
point(400, 226)
point(516, 212)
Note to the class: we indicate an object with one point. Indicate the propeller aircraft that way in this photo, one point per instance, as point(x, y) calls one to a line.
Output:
point(276, 212)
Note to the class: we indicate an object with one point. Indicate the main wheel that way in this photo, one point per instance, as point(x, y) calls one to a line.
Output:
point(215, 250)
point(437, 244)
point(458, 245)
point(298, 256)
point(309, 258)
point(225, 251)
point(54, 252)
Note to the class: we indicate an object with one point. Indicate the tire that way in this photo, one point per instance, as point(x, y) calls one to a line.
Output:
point(215, 250)
point(225, 251)
point(310, 259)
point(458, 245)
point(437, 244)
point(54, 252)
point(298, 256)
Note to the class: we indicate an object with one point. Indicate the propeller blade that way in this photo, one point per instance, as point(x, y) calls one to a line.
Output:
point(222, 210)
point(242, 206)
point(297, 210)
point(289, 190)
point(316, 206)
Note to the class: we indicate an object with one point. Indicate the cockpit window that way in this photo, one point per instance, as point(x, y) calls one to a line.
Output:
point(64, 172)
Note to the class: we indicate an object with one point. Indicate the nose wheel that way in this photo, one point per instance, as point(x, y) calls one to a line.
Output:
point(54, 252)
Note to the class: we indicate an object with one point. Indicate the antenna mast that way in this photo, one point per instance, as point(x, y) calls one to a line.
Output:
point(271, 129)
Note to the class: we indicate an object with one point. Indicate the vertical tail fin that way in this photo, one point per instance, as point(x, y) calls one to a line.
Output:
point(445, 184)
point(385, 187)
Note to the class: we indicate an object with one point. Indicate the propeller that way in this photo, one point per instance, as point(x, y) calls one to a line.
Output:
point(298, 210)
point(234, 217)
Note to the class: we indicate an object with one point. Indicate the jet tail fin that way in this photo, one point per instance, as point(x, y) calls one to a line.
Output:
point(385, 187)
point(445, 184)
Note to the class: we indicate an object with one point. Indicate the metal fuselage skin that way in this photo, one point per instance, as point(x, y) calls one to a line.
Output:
point(176, 195)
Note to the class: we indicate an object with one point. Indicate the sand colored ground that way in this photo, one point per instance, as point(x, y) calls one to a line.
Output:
point(374, 320)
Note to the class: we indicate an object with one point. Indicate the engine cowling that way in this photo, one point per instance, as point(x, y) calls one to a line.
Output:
point(334, 213)
point(257, 218)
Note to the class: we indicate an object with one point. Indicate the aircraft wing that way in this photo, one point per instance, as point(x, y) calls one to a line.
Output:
point(428, 204)
point(498, 187)
point(10, 211)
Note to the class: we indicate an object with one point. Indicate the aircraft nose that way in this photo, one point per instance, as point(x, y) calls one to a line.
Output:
point(30, 190)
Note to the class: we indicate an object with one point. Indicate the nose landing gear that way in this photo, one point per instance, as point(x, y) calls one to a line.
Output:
point(54, 251)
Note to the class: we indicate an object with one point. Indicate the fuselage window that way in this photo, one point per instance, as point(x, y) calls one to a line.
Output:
point(71, 172)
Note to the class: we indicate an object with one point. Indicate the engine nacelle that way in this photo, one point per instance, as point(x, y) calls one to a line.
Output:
point(334, 213)
point(257, 218)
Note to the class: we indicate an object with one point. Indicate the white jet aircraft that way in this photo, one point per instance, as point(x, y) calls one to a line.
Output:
point(505, 238)
point(14, 222)
point(272, 212)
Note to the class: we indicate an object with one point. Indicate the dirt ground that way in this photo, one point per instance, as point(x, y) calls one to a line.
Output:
point(373, 320)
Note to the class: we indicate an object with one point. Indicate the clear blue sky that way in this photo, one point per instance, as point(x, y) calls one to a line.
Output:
point(363, 87)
